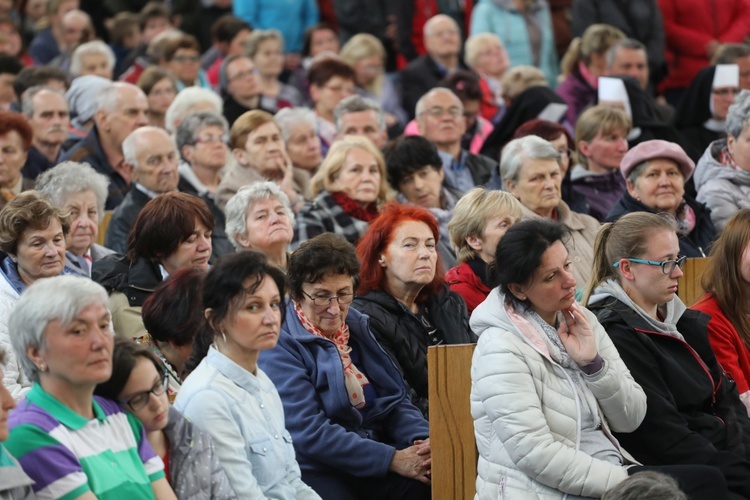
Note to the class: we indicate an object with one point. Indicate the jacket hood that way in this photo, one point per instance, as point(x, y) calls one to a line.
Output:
point(709, 168)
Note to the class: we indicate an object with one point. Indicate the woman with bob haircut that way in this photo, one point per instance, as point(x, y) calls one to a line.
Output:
point(139, 384)
point(260, 218)
point(349, 188)
point(548, 385)
point(16, 135)
point(356, 432)
point(727, 301)
point(72, 443)
point(160, 87)
point(403, 292)
point(481, 217)
point(228, 395)
point(694, 415)
point(172, 232)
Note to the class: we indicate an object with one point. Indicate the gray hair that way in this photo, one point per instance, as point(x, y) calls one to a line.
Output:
point(257, 37)
point(108, 96)
point(637, 171)
point(88, 48)
point(738, 116)
point(288, 118)
point(60, 298)
point(728, 53)
point(419, 108)
point(191, 126)
point(646, 484)
point(69, 178)
point(517, 151)
point(130, 144)
point(355, 104)
point(246, 197)
point(27, 103)
point(627, 44)
point(185, 101)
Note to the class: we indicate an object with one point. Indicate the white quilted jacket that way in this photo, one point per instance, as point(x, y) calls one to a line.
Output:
point(13, 377)
point(526, 414)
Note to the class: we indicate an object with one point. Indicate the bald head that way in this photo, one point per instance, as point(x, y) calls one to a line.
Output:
point(442, 37)
point(153, 155)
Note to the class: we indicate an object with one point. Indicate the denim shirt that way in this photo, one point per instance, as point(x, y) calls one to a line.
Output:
point(243, 414)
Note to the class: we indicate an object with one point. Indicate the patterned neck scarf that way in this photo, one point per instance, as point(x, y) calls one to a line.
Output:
point(353, 208)
point(353, 378)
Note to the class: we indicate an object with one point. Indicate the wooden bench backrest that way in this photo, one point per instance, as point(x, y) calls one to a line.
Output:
point(689, 288)
point(103, 224)
point(454, 450)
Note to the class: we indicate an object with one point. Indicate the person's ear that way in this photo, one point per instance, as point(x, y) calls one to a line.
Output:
point(35, 355)
point(518, 291)
point(511, 185)
point(584, 148)
point(631, 190)
point(626, 270)
point(242, 239)
point(475, 243)
point(188, 152)
point(241, 156)
point(382, 262)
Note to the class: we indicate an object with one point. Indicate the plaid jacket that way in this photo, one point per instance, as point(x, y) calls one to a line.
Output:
point(325, 215)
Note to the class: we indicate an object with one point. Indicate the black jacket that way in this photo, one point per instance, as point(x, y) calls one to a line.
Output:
point(123, 218)
point(420, 76)
point(694, 244)
point(405, 338)
point(694, 413)
point(136, 280)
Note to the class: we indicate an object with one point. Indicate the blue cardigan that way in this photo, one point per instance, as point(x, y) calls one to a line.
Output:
point(291, 18)
point(329, 434)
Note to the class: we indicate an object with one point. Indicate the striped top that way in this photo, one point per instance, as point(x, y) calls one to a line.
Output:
point(68, 455)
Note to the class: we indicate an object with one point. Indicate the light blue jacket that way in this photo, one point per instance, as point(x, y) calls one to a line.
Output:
point(291, 17)
point(243, 414)
point(510, 26)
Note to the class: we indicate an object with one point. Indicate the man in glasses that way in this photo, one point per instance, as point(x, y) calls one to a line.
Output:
point(183, 57)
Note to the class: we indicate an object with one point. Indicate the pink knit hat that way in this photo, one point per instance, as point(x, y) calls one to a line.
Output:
point(652, 150)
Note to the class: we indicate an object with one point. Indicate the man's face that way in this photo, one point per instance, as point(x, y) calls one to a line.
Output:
point(242, 82)
point(441, 120)
point(631, 62)
point(153, 27)
point(157, 159)
point(442, 37)
point(128, 115)
point(364, 123)
point(51, 118)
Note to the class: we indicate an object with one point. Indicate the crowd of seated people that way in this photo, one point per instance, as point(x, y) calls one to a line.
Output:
point(231, 231)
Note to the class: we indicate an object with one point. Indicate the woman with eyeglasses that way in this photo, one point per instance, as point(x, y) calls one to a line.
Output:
point(694, 415)
point(139, 384)
point(356, 432)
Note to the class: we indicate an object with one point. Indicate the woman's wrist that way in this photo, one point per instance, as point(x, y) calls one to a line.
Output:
point(594, 366)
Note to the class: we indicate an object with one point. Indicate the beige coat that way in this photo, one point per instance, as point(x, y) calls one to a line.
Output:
point(239, 175)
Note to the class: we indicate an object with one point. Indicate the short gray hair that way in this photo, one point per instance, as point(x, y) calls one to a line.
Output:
point(60, 298)
point(185, 101)
point(247, 196)
point(288, 118)
point(738, 116)
point(627, 44)
point(88, 48)
point(27, 103)
point(108, 96)
point(191, 126)
point(257, 37)
point(69, 178)
point(355, 104)
point(646, 484)
point(419, 108)
point(130, 144)
point(517, 151)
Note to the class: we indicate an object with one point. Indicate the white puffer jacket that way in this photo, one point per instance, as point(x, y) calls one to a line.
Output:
point(526, 413)
point(13, 377)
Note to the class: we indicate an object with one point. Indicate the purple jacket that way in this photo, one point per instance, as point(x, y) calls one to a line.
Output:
point(577, 93)
point(602, 191)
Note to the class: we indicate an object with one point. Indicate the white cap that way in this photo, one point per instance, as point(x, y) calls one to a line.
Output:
point(726, 75)
point(613, 90)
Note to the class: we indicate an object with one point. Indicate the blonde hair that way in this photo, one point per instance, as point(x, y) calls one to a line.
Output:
point(599, 119)
point(357, 48)
point(518, 79)
point(470, 216)
point(329, 170)
point(256, 39)
point(246, 124)
point(597, 39)
point(628, 237)
point(476, 44)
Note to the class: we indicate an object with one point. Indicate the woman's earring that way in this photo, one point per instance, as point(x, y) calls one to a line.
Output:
point(42, 367)
point(224, 336)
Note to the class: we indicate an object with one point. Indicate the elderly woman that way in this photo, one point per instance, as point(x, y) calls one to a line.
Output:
point(266, 49)
point(173, 317)
point(172, 232)
point(15, 142)
point(83, 106)
point(138, 383)
point(480, 218)
point(530, 167)
point(548, 385)
point(71, 443)
point(727, 285)
point(601, 142)
point(81, 191)
point(259, 217)
point(331, 80)
point(403, 292)
point(160, 88)
point(656, 172)
point(354, 428)
point(415, 170)
point(302, 142)
point(229, 396)
point(32, 241)
point(485, 54)
point(92, 58)
point(721, 177)
point(349, 187)
point(694, 414)
point(202, 141)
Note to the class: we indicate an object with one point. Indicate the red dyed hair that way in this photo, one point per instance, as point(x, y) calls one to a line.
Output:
point(12, 121)
point(549, 131)
point(380, 234)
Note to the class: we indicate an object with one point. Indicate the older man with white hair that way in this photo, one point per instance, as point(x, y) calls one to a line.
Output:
point(47, 112)
point(357, 115)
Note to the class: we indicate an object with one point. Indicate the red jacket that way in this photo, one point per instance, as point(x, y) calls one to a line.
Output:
point(690, 25)
point(731, 352)
point(462, 280)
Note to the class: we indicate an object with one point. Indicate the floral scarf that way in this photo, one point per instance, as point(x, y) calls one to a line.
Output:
point(353, 208)
point(353, 378)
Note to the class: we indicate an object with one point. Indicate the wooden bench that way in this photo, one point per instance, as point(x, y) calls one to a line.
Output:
point(454, 450)
point(689, 288)
point(103, 224)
